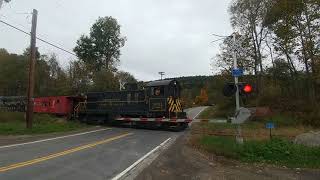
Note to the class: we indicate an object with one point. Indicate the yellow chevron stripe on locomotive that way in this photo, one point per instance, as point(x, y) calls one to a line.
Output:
point(174, 105)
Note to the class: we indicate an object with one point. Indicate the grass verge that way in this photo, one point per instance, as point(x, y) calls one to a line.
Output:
point(276, 151)
point(250, 130)
point(215, 112)
point(13, 123)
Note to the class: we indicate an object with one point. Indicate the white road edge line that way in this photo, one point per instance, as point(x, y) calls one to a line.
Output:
point(139, 161)
point(50, 139)
point(200, 112)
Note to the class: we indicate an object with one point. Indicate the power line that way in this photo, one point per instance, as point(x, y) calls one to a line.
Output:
point(40, 39)
point(21, 25)
point(219, 35)
point(23, 13)
point(14, 27)
point(56, 46)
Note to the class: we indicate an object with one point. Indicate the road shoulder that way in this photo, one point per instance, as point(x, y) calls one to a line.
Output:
point(6, 140)
point(181, 161)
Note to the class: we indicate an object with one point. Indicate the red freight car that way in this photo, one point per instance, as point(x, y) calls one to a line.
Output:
point(58, 105)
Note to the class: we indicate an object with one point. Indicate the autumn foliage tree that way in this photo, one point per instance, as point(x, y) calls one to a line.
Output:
point(202, 99)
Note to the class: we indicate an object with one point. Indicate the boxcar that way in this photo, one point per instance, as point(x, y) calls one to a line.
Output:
point(57, 105)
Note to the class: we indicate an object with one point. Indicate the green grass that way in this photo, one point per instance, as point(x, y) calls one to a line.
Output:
point(224, 146)
point(13, 123)
point(282, 120)
point(207, 113)
point(227, 126)
point(279, 119)
point(215, 112)
point(276, 151)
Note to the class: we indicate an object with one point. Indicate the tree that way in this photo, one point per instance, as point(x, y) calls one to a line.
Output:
point(27, 52)
point(247, 17)
point(296, 26)
point(126, 77)
point(101, 49)
point(224, 60)
point(57, 77)
point(78, 77)
point(104, 80)
point(3, 51)
point(203, 98)
point(1, 1)
point(13, 79)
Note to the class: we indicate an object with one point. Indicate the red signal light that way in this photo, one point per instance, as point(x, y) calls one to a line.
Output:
point(247, 88)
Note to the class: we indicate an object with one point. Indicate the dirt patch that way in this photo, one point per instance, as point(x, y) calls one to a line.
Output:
point(182, 162)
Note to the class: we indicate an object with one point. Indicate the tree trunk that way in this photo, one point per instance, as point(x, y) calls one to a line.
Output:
point(311, 94)
point(258, 56)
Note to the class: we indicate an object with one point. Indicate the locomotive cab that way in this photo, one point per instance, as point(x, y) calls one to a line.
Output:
point(164, 99)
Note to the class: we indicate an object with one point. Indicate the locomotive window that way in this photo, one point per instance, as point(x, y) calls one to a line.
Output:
point(157, 91)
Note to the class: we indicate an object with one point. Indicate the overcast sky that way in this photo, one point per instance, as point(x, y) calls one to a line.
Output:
point(162, 35)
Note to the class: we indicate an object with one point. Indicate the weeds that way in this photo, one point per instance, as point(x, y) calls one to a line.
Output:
point(276, 151)
point(13, 123)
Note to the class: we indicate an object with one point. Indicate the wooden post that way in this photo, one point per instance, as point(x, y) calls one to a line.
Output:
point(33, 52)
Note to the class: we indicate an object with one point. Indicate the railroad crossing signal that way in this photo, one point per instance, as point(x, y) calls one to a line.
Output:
point(247, 88)
point(230, 89)
point(235, 45)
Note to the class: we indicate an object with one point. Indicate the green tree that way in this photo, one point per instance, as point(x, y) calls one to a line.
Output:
point(224, 60)
point(79, 77)
point(57, 77)
point(13, 74)
point(247, 17)
point(125, 77)
point(296, 26)
point(104, 80)
point(27, 52)
point(101, 49)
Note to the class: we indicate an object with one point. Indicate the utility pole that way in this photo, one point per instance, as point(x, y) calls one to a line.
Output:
point(161, 74)
point(29, 115)
point(236, 78)
point(239, 137)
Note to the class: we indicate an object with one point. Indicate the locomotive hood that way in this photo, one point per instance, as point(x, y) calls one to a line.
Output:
point(162, 83)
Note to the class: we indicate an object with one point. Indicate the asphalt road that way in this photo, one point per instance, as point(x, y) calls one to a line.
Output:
point(97, 155)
